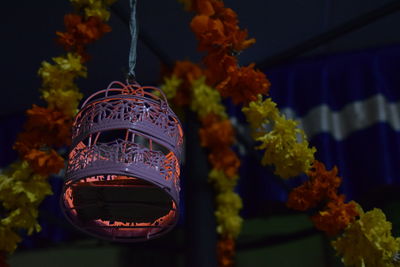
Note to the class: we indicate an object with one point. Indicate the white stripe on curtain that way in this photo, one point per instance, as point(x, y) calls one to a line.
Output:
point(355, 116)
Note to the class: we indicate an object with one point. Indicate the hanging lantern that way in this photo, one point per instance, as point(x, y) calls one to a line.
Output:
point(122, 179)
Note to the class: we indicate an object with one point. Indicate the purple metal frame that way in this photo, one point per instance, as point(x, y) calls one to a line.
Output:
point(122, 179)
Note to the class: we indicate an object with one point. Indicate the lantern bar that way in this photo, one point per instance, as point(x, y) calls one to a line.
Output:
point(122, 179)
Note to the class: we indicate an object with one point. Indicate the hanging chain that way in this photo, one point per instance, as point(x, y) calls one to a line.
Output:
point(134, 39)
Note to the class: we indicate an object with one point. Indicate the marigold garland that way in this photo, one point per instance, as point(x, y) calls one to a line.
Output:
point(21, 192)
point(286, 146)
point(226, 252)
point(170, 86)
point(80, 32)
point(59, 89)
point(228, 204)
point(94, 8)
point(24, 185)
point(321, 186)
point(216, 28)
point(189, 87)
point(216, 133)
point(369, 242)
point(371, 232)
point(202, 93)
point(283, 149)
point(335, 216)
point(187, 72)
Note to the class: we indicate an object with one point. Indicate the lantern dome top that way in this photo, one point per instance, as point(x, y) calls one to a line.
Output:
point(142, 109)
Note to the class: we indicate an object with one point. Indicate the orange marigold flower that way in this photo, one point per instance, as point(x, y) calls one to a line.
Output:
point(66, 39)
point(188, 72)
point(225, 159)
point(92, 29)
point(44, 127)
point(44, 162)
point(326, 182)
point(54, 125)
point(27, 140)
point(217, 26)
point(237, 38)
point(244, 84)
point(218, 63)
point(322, 185)
point(226, 252)
point(80, 32)
point(336, 216)
point(218, 136)
point(209, 32)
point(303, 198)
point(215, 132)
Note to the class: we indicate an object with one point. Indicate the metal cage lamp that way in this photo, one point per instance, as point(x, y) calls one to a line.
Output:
point(122, 179)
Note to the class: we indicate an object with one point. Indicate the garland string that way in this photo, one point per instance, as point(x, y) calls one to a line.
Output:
point(134, 38)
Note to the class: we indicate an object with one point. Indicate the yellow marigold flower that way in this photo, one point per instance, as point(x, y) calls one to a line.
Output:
point(8, 239)
point(221, 182)
point(170, 86)
point(206, 100)
point(61, 74)
point(71, 63)
point(283, 150)
point(21, 191)
point(100, 12)
point(229, 222)
point(369, 242)
point(24, 218)
point(286, 146)
point(65, 101)
point(96, 8)
point(19, 170)
point(229, 201)
point(20, 187)
point(228, 204)
point(260, 112)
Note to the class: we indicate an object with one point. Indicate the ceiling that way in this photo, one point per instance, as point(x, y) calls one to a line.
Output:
point(27, 29)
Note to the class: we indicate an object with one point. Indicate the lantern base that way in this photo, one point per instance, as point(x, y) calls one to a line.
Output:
point(122, 208)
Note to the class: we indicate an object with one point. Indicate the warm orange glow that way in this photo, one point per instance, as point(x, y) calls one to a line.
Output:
point(119, 228)
point(139, 229)
point(68, 200)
